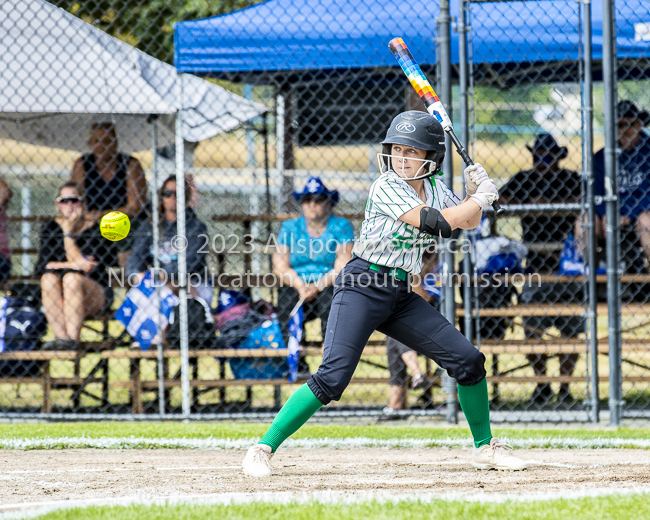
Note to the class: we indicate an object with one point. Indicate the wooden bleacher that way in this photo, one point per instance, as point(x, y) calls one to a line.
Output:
point(111, 349)
point(137, 386)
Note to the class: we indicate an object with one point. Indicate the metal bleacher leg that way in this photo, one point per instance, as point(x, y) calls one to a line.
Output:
point(249, 397)
point(495, 373)
point(428, 392)
point(76, 395)
point(167, 389)
point(136, 392)
point(105, 372)
point(277, 397)
point(194, 362)
point(222, 375)
point(47, 388)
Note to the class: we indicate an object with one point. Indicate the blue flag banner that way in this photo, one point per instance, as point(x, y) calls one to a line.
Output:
point(295, 336)
point(3, 322)
point(140, 310)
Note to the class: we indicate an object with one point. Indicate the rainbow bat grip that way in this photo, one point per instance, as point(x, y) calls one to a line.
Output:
point(419, 82)
point(428, 96)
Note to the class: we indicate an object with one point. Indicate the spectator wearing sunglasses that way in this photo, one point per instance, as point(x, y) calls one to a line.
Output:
point(72, 261)
point(196, 232)
point(311, 250)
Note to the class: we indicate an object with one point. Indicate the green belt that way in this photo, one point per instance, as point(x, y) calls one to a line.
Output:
point(395, 272)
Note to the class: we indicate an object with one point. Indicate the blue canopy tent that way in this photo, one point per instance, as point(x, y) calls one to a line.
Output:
point(331, 52)
point(298, 37)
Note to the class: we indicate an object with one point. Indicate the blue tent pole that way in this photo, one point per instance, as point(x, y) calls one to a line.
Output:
point(611, 198)
point(250, 143)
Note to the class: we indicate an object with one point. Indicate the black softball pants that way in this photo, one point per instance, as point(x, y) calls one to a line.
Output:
point(365, 301)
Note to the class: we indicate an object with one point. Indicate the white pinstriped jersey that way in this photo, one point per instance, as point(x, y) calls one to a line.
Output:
point(386, 240)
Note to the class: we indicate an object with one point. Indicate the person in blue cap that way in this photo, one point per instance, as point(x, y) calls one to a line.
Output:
point(311, 250)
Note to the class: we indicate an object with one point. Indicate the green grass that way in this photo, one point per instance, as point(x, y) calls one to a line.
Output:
point(609, 507)
point(309, 431)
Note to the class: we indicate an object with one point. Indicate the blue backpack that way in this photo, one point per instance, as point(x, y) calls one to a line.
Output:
point(24, 327)
point(257, 328)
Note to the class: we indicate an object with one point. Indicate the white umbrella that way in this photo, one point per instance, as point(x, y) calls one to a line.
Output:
point(59, 74)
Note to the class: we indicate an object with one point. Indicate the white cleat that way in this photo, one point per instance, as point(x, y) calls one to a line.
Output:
point(257, 462)
point(496, 456)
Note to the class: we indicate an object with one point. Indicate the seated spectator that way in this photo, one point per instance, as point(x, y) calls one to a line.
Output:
point(72, 261)
point(141, 258)
point(112, 181)
point(633, 186)
point(5, 250)
point(547, 183)
point(311, 250)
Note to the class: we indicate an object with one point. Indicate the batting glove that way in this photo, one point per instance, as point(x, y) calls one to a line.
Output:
point(486, 194)
point(474, 176)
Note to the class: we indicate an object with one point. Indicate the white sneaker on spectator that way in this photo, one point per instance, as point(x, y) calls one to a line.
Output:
point(257, 462)
point(496, 456)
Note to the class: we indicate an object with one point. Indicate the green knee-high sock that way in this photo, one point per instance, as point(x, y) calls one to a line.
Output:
point(476, 407)
point(295, 412)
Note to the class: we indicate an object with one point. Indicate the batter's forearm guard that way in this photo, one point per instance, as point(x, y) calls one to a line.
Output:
point(433, 223)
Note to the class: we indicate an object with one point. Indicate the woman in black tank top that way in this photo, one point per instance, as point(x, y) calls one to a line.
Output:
point(102, 194)
point(113, 181)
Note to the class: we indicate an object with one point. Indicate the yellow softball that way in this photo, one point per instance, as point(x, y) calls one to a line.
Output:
point(115, 225)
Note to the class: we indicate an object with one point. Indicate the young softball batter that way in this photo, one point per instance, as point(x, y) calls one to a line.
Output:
point(406, 209)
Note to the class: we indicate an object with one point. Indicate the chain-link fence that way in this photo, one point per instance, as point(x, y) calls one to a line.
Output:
point(283, 105)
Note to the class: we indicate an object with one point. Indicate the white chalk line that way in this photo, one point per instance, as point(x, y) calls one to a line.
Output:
point(108, 470)
point(32, 509)
point(148, 469)
point(213, 443)
point(191, 468)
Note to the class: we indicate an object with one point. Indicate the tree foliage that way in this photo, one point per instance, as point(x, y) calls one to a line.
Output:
point(148, 24)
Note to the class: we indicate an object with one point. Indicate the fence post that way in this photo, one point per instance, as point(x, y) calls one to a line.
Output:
point(611, 198)
point(448, 300)
point(464, 137)
point(254, 197)
point(182, 257)
point(588, 151)
point(155, 217)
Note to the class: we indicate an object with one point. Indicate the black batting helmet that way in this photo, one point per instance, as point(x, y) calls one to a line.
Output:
point(419, 130)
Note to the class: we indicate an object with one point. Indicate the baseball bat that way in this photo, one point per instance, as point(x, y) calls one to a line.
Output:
point(429, 98)
point(296, 307)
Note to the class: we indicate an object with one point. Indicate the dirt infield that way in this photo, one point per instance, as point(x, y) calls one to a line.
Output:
point(38, 476)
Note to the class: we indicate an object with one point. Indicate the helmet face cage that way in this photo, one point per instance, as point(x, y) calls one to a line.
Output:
point(431, 164)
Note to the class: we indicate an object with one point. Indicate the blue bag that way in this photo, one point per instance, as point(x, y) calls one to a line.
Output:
point(571, 262)
point(268, 335)
point(22, 327)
